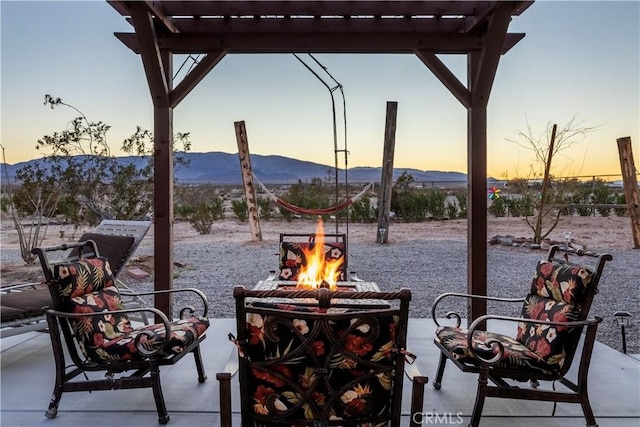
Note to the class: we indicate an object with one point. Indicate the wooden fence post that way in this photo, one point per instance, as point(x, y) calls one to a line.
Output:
point(631, 191)
point(386, 181)
point(247, 180)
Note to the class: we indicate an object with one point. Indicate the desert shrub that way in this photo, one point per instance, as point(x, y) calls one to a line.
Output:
point(583, 197)
point(361, 210)
point(286, 214)
point(188, 201)
point(567, 188)
point(412, 205)
point(452, 210)
point(265, 206)
point(619, 199)
point(183, 210)
point(601, 195)
point(461, 197)
point(522, 206)
point(436, 203)
point(312, 195)
point(240, 210)
point(498, 207)
point(4, 203)
point(203, 215)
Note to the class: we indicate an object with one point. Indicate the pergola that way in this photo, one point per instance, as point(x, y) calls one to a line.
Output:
point(477, 29)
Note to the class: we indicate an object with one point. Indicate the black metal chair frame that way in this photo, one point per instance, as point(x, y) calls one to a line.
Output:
point(324, 298)
point(488, 370)
point(111, 236)
point(142, 373)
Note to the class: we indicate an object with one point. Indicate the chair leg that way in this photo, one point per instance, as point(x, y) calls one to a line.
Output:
point(417, 400)
point(52, 411)
point(163, 416)
point(480, 396)
point(437, 383)
point(586, 409)
point(202, 377)
point(58, 356)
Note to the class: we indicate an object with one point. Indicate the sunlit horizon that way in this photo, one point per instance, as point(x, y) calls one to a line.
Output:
point(561, 70)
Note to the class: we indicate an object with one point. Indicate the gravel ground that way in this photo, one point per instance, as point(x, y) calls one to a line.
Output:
point(428, 268)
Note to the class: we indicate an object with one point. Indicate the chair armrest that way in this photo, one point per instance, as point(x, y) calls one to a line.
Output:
point(492, 343)
point(140, 348)
point(224, 378)
point(190, 309)
point(457, 316)
point(417, 391)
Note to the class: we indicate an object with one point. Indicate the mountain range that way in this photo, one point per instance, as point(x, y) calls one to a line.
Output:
point(224, 168)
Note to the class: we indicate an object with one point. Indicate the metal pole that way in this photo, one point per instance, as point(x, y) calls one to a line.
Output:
point(624, 340)
point(335, 130)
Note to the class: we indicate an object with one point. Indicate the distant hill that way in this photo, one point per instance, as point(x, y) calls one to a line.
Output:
point(224, 168)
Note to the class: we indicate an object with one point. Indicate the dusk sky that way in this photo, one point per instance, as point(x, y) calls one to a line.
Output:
point(578, 59)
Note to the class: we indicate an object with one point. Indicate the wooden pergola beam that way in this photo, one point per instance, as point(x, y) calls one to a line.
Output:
point(407, 43)
point(322, 8)
point(450, 81)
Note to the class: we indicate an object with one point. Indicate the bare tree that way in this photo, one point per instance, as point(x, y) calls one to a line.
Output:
point(546, 147)
point(42, 203)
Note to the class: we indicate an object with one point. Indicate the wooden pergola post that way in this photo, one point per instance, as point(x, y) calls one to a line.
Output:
point(386, 180)
point(631, 190)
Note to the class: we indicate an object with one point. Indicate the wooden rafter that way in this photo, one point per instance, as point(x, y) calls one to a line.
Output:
point(448, 79)
point(406, 43)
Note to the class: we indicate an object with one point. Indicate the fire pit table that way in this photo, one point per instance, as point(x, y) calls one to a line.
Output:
point(272, 284)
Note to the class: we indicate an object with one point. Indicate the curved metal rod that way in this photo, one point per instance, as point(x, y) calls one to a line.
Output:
point(451, 314)
point(344, 121)
point(203, 297)
point(143, 351)
point(492, 342)
point(333, 114)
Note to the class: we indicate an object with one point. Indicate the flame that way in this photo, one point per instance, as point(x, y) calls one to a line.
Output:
point(320, 270)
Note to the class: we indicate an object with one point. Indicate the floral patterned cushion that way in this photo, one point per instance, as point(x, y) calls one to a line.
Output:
point(561, 282)
point(302, 367)
point(77, 278)
point(87, 286)
point(515, 355)
point(292, 257)
point(548, 341)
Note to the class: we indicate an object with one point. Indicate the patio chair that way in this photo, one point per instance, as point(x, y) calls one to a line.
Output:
point(292, 256)
point(89, 324)
point(318, 358)
point(554, 314)
point(117, 241)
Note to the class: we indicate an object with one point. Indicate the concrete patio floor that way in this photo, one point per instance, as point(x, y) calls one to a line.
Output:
point(27, 375)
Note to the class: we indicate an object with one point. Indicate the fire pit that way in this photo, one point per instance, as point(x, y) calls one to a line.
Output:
point(271, 284)
point(317, 266)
